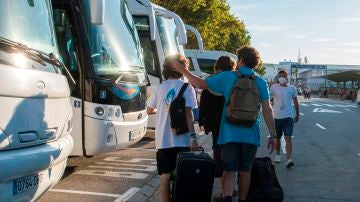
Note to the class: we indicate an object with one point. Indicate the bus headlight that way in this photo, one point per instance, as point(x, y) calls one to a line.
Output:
point(99, 111)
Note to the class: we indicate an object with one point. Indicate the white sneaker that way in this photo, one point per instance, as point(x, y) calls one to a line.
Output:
point(277, 159)
point(289, 163)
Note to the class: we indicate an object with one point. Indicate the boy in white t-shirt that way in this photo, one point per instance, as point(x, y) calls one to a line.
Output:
point(168, 144)
point(285, 101)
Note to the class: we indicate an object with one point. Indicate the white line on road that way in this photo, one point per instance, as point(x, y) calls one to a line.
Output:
point(347, 109)
point(127, 194)
point(329, 105)
point(303, 104)
point(320, 126)
point(85, 193)
point(316, 105)
point(139, 167)
point(301, 114)
point(132, 175)
point(133, 160)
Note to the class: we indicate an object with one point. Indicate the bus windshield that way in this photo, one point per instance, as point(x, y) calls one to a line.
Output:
point(28, 22)
point(167, 31)
point(115, 46)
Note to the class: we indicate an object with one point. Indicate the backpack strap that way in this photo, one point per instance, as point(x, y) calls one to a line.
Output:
point(182, 90)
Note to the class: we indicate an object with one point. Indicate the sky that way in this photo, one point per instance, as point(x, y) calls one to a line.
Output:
point(325, 31)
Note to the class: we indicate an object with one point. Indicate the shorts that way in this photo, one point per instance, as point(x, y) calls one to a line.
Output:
point(238, 156)
point(166, 159)
point(217, 160)
point(284, 126)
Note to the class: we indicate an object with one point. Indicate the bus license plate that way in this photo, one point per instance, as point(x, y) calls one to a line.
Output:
point(26, 183)
point(134, 134)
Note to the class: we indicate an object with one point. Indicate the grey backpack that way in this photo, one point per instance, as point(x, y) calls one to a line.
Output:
point(244, 105)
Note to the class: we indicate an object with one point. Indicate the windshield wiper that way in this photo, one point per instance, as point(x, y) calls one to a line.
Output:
point(36, 55)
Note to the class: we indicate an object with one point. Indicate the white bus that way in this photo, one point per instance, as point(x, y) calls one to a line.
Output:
point(202, 61)
point(36, 114)
point(162, 33)
point(99, 43)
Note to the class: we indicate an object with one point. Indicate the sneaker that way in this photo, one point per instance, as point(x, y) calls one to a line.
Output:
point(277, 159)
point(289, 163)
point(218, 198)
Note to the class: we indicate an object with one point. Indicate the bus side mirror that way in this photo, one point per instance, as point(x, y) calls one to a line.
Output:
point(97, 11)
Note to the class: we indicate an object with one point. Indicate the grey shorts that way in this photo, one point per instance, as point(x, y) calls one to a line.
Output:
point(238, 156)
point(284, 126)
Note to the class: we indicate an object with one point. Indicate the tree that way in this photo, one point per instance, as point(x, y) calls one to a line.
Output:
point(261, 69)
point(220, 29)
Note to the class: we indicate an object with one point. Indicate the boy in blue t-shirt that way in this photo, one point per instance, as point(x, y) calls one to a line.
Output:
point(239, 145)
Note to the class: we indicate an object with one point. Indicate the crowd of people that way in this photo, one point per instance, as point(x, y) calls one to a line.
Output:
point(234, 145)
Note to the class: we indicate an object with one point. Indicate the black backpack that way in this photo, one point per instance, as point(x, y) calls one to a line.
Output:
point(177, 113)
point(264, 185)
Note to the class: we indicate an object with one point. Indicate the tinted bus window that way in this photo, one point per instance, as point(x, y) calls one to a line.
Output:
point(206, 65)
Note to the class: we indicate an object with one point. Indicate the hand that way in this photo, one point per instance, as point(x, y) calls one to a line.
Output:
point(178, 67)
point(202, 128)
point(271, 144)
point(297, 118)
point(194, 144)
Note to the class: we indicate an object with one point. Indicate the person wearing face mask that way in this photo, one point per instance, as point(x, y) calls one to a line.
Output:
point(285, 101)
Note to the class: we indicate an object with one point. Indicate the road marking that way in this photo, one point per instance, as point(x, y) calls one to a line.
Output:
point(303, 104)
point(316, 105)
point(132, 175)
point(127, 194)
point(85, 193)
point(347, 109)
point(139, 149)
point(354, 106)
point(329, 105)
point(341, 105)
point(301, 114)
point(320, 126)
point(133, 160)
point(326, 110)
point(140, 167)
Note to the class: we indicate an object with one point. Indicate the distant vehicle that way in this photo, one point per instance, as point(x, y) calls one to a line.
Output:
point(36, 114)
point(99, 43)
point(202, 61)
point(358, 97)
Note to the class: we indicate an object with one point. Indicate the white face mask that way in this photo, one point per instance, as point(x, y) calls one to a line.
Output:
point(283, 80)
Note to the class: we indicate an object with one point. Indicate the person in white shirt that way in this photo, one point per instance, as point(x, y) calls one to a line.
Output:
point(285, 101)
point(167, 143)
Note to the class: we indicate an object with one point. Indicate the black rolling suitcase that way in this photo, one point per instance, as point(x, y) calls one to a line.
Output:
point(264, 185)
point(194, 177)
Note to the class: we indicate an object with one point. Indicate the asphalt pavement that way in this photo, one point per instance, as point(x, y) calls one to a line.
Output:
point(326, 153)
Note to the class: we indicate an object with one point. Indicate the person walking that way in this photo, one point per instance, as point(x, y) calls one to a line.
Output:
point(285, 101)
point(169, 144)
point(238, 144)
point(211, 107)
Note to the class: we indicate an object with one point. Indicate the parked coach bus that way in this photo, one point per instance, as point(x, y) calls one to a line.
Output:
point(35, 109)
point(162, 33)
point(99, 43)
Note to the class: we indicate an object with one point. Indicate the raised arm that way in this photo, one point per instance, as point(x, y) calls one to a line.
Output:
point(194, 80)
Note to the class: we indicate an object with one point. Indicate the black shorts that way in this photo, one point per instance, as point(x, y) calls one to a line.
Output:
point(166, 159)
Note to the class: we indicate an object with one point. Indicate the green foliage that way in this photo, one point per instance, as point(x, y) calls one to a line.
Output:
point(220, 29)
point(261, 69)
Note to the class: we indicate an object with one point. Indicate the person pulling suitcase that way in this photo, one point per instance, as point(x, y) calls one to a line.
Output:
point(171, 137)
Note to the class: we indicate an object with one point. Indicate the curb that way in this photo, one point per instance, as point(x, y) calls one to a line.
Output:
point(148, 190)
